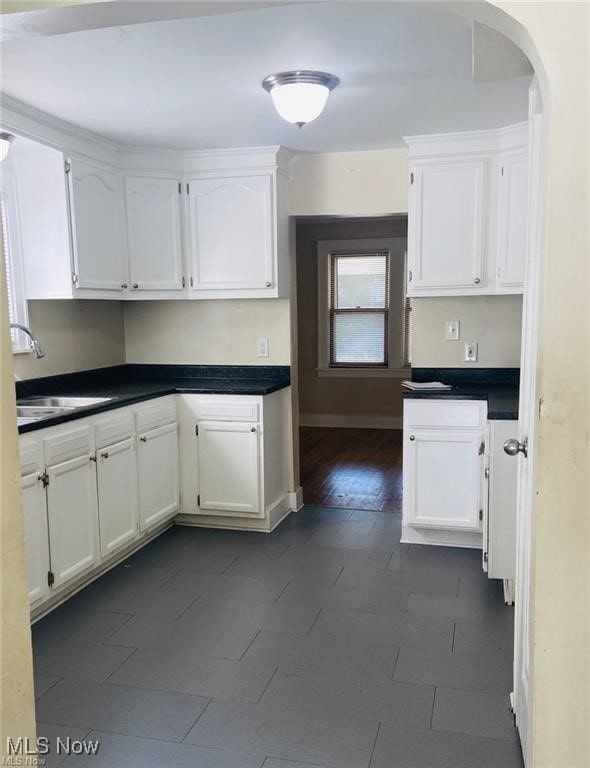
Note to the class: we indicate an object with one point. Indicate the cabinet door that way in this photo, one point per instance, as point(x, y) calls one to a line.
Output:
point(446, 226)
point(116, 471)
point(154, 234)
point(73, 518)
point(36, 536)
point(512, 219)
point(157, 475)
point(229, 468)
point(231, 233)
point(97, 212)
point(443, 478)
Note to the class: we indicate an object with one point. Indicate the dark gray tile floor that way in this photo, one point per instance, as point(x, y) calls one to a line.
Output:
point(326, 643)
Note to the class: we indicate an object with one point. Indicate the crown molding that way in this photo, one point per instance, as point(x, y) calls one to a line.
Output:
point(489, 140)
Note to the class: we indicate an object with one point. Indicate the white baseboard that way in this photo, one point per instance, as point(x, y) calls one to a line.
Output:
point(356, 421)
point(296, 500)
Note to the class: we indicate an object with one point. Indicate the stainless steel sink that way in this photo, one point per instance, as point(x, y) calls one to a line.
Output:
point(62, 402)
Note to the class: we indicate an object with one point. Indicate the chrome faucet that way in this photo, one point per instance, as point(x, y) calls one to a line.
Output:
point(38, 350)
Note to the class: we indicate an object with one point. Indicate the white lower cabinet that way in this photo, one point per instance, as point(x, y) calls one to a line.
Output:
point(36, 536)
point(443, 471)
point(116, 473)
point(73, 518)
point(157, 473)
point(229, 468)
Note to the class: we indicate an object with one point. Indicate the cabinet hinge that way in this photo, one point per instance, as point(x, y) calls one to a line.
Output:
point(485, 557)
point(192, 282)
point(197, 430)
point(502, 171)
point(481, 514)
point(44, 479)
point(75, 278)
point(486, 472)
point(179, 188)
point(198, 500)
point(188, 189)
point(183, 282)
point(411, 178)
point(410, 275)
point(481, 450)
point(67, 166)
point(50, 578)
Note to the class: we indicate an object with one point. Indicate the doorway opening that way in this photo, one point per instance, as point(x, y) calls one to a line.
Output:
point(354, 350)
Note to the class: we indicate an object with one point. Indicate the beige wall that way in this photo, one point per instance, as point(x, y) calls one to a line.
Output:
point(493, 321)
point(369, 399)
point(207, 332)
point(350, 183)
point(77, 335)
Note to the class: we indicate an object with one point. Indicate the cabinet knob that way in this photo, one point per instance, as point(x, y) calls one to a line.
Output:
point(252, 429)
point(412, 437)
point(143, 439)
point(135, 286)
point(124, 286)
point(268, 285)
point(104, 455)
point(410, 276)
point(476, 280)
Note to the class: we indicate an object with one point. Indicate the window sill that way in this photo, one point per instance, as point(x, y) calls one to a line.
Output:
point(363, 373)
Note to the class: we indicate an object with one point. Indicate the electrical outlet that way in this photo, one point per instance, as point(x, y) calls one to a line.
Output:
point(452, 330)
point(262, 347)
point(470, 352)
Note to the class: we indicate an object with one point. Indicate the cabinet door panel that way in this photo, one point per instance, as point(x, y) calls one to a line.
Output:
point(73, 518)
point(154, 233)
point(157, 475)
point(446, 225)
point(512, 219)
point(442, 478)
point(229, 468)
point(231, 233)
point(36, 536)
point(96, 208)
point(116, 470)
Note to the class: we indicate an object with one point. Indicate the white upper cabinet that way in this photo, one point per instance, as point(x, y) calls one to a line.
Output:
point(97, 222)
point(154, 235)
point(512, 221)
point(446, 233)
point(467, 213)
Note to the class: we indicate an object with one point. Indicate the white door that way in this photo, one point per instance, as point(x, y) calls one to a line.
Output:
point(443, 478)
point(157, 475)
point(229, 468)
point(73, 518)
point(527, 420)
point(154, 234)
point(446, 233)
point(231, 233)
point(116, 472)
point(512, 222)
point(36, 536)
point(97, 216)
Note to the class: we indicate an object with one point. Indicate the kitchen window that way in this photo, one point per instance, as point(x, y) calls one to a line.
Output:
point(13, 272)
point(363, 316)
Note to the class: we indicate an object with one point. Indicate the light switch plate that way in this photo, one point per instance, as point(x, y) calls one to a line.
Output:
point(262, 347)
point(452, 330)
point(470, 352)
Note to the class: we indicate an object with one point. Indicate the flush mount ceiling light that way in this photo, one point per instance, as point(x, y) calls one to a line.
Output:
point(300, 96)
point(6, 140)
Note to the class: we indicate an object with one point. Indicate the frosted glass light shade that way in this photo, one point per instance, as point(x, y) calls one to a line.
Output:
point(300, 96)
point(5, 142)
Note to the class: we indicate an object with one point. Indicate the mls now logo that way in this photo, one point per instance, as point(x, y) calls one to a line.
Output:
point(23, 747)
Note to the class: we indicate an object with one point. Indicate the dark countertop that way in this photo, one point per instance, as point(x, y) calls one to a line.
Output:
point(129, 384)
point(498, 386)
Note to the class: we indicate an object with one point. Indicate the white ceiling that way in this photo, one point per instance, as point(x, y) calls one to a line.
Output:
point(195, 83)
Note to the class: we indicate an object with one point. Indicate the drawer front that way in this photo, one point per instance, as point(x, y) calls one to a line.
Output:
point(67, 445)
point(113, 429)
point(445, 413)
point(227, 410)
point(31, 459)
point(155, 414)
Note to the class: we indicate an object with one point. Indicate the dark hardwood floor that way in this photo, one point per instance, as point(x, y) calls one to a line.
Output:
point(352, 468)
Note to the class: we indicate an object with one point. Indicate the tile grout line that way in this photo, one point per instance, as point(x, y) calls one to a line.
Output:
point(196, 721)
point(313, 623)
point(399, 649)
point(453, 640)
point(250, 644)
point(278, 597)
point(228, 566)
point(268, 684)
point(121, 664)
point(339, 575)
point(432, 710)
point(374, 745)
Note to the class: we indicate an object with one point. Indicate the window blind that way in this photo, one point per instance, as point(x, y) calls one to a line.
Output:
point(359, 309)
point(407, 326)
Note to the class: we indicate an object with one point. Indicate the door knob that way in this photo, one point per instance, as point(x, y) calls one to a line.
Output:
point(512, 447)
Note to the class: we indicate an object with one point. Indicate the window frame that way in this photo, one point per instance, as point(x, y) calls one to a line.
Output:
point(14, 255)
point(397, 247)
point(335, 311)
